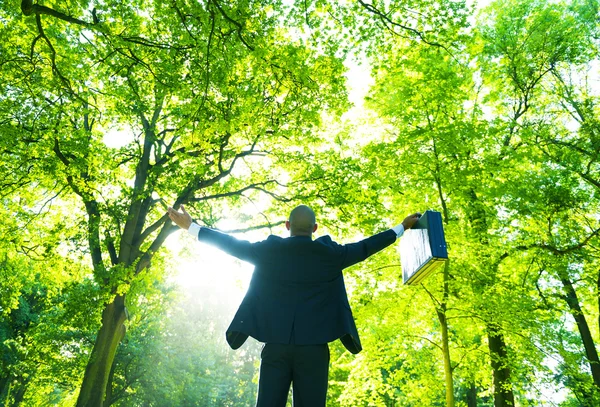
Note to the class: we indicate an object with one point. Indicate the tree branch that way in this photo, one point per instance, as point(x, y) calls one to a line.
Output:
point(28, 8)
point(256, 185)
point(386, 20)
point(139, 206)
point(256, 227)
point(239, 26)
point(557, 251)
point(426, 339)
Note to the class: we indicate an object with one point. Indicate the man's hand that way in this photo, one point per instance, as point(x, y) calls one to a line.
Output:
point(181, 219)
point(410, 220)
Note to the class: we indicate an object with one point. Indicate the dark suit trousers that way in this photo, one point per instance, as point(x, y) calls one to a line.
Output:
point(304, 366)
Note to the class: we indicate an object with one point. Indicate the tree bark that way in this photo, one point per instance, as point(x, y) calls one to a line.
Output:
point(95, 380)
point(108, 401)
point(503, 392)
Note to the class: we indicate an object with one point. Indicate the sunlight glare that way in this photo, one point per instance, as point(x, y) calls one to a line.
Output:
point(201, 265)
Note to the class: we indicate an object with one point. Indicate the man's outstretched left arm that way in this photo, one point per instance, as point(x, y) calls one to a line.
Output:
point(356, 252)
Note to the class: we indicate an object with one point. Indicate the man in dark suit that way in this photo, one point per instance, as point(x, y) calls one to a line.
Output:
point(296, 302)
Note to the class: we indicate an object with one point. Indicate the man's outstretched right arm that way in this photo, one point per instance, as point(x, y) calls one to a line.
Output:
point(241, 249)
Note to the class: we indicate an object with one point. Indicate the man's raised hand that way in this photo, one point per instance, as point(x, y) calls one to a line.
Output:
point(410, 220)
point(181, 219)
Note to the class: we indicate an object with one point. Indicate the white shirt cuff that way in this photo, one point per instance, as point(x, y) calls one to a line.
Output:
point(194, 229)
point(399, 229)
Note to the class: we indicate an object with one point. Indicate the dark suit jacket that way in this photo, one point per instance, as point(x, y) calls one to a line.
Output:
point(297, 293)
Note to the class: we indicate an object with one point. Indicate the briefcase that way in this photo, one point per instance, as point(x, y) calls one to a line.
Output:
point(423, 248)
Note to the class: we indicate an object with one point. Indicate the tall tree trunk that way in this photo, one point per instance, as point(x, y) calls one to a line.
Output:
point(472, 395)
point(448, 379)
point(8, 390)
point(19, 395)
point(584, 330)
point(503, 392)
point(441, 313)
point(95, 379)
point(598, 296)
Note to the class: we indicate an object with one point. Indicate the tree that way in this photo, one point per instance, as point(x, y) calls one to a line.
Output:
point(199, 94)
point(535, 52)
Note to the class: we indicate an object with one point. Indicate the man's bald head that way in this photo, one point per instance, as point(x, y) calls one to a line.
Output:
point(302, 221)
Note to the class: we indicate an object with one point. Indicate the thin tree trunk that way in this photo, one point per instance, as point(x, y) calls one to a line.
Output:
point(13, 390)
point(598, 296)
point(503, 392)
point(448, 379)
point(584, 330)
point(95, 379)
point(441, 313)
point(7, 401)
point(19, 394)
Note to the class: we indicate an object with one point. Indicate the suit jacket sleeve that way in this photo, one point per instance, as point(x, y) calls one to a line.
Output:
point(242, 249)
point(353, 253)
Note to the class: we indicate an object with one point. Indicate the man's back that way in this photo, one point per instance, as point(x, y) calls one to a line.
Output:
point(296, 302)
point(297, 292)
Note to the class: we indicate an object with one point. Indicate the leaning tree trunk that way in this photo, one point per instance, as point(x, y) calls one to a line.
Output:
point(95, 380)
point(503, 392)
point(584, 330)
